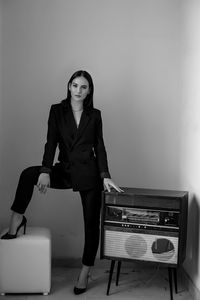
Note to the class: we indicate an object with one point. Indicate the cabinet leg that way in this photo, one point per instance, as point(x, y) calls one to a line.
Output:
point(110, 275)
point(118, 271)
point(175, 280)
point(170, 282)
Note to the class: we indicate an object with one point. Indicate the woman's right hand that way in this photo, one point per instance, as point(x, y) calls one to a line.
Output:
point(43, 182)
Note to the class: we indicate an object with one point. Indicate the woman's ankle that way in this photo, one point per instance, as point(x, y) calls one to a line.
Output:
point(15, 220)
point(83, 276)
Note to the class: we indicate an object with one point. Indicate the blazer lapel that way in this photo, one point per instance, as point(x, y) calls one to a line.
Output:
point(85, 118)
point(69, 130)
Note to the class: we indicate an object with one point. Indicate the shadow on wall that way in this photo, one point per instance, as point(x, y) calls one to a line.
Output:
point(192, 260)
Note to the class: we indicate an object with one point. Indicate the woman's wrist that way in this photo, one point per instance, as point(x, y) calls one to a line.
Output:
point(105, 175)
point(44, 169)
point(45, 174)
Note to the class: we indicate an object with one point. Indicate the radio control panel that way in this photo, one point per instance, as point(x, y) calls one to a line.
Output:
point(132, 217)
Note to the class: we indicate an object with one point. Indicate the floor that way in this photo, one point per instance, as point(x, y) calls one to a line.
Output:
point(135, 283)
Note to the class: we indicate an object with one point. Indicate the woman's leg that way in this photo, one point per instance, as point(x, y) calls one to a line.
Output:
point(91, 202)
point(27, 180)
point(24, 192)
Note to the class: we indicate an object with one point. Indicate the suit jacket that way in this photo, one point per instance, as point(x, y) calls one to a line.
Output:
point(82, 156)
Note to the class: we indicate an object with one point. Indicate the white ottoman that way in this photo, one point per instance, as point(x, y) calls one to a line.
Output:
point(25, 262)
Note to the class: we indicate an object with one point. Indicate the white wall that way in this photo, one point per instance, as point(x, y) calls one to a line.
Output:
point(132, 49)
point(190, 135)
point(1, 87)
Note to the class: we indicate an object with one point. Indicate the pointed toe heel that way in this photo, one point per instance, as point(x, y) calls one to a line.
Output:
point(78, 291)
point(8, 236)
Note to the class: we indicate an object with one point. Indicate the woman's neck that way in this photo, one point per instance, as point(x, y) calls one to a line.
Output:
point(76, 106)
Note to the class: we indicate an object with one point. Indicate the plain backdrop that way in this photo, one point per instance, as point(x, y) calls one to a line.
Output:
point(144, 58)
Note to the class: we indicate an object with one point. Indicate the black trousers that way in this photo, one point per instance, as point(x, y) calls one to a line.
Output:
point(91, 203)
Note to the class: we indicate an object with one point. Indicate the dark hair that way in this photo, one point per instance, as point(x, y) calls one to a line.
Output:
point(88, 101)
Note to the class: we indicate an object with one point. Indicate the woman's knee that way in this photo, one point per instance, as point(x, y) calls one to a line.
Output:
point(30, 173)
point(92, 224)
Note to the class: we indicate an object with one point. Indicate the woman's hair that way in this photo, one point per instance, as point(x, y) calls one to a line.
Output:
point(88, 101)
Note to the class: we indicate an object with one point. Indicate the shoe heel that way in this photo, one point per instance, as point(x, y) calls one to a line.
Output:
point(24, 228)
point(23, 224)
point(9, 236)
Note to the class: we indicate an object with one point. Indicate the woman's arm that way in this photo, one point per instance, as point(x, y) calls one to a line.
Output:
point(49, 153)
point(101, 155)
point(100, 150)
point(51, 143)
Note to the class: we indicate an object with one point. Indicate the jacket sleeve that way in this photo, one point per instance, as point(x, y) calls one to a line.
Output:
point(100, 150)
point(51, 143)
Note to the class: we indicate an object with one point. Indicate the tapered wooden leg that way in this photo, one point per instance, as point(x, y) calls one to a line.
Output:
point(175, 279)
point(118, 271)
point(110, 275)
point(170, 282)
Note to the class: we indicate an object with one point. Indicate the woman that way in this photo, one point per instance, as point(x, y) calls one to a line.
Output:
point(76, 128)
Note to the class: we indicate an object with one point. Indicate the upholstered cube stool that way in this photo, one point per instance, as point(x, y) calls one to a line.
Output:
point(25, 262)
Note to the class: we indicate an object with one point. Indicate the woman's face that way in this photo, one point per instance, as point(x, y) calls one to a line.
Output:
point(79, 89)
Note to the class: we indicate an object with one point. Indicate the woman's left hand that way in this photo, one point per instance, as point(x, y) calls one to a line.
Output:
point(108, 184)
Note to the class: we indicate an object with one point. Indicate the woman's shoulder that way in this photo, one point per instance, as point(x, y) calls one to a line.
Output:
point(96, 110)
point(93, 112)
point(55, 105)
point(59, 105)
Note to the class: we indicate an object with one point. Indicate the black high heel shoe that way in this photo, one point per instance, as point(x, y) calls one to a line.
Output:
point(78, 291)
point(8, 236)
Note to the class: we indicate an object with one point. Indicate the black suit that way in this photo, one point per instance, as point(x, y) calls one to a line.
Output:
point(82, 163)
point(82, 156)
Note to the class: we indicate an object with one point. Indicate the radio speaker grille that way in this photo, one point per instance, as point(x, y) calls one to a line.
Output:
point(140, 246)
